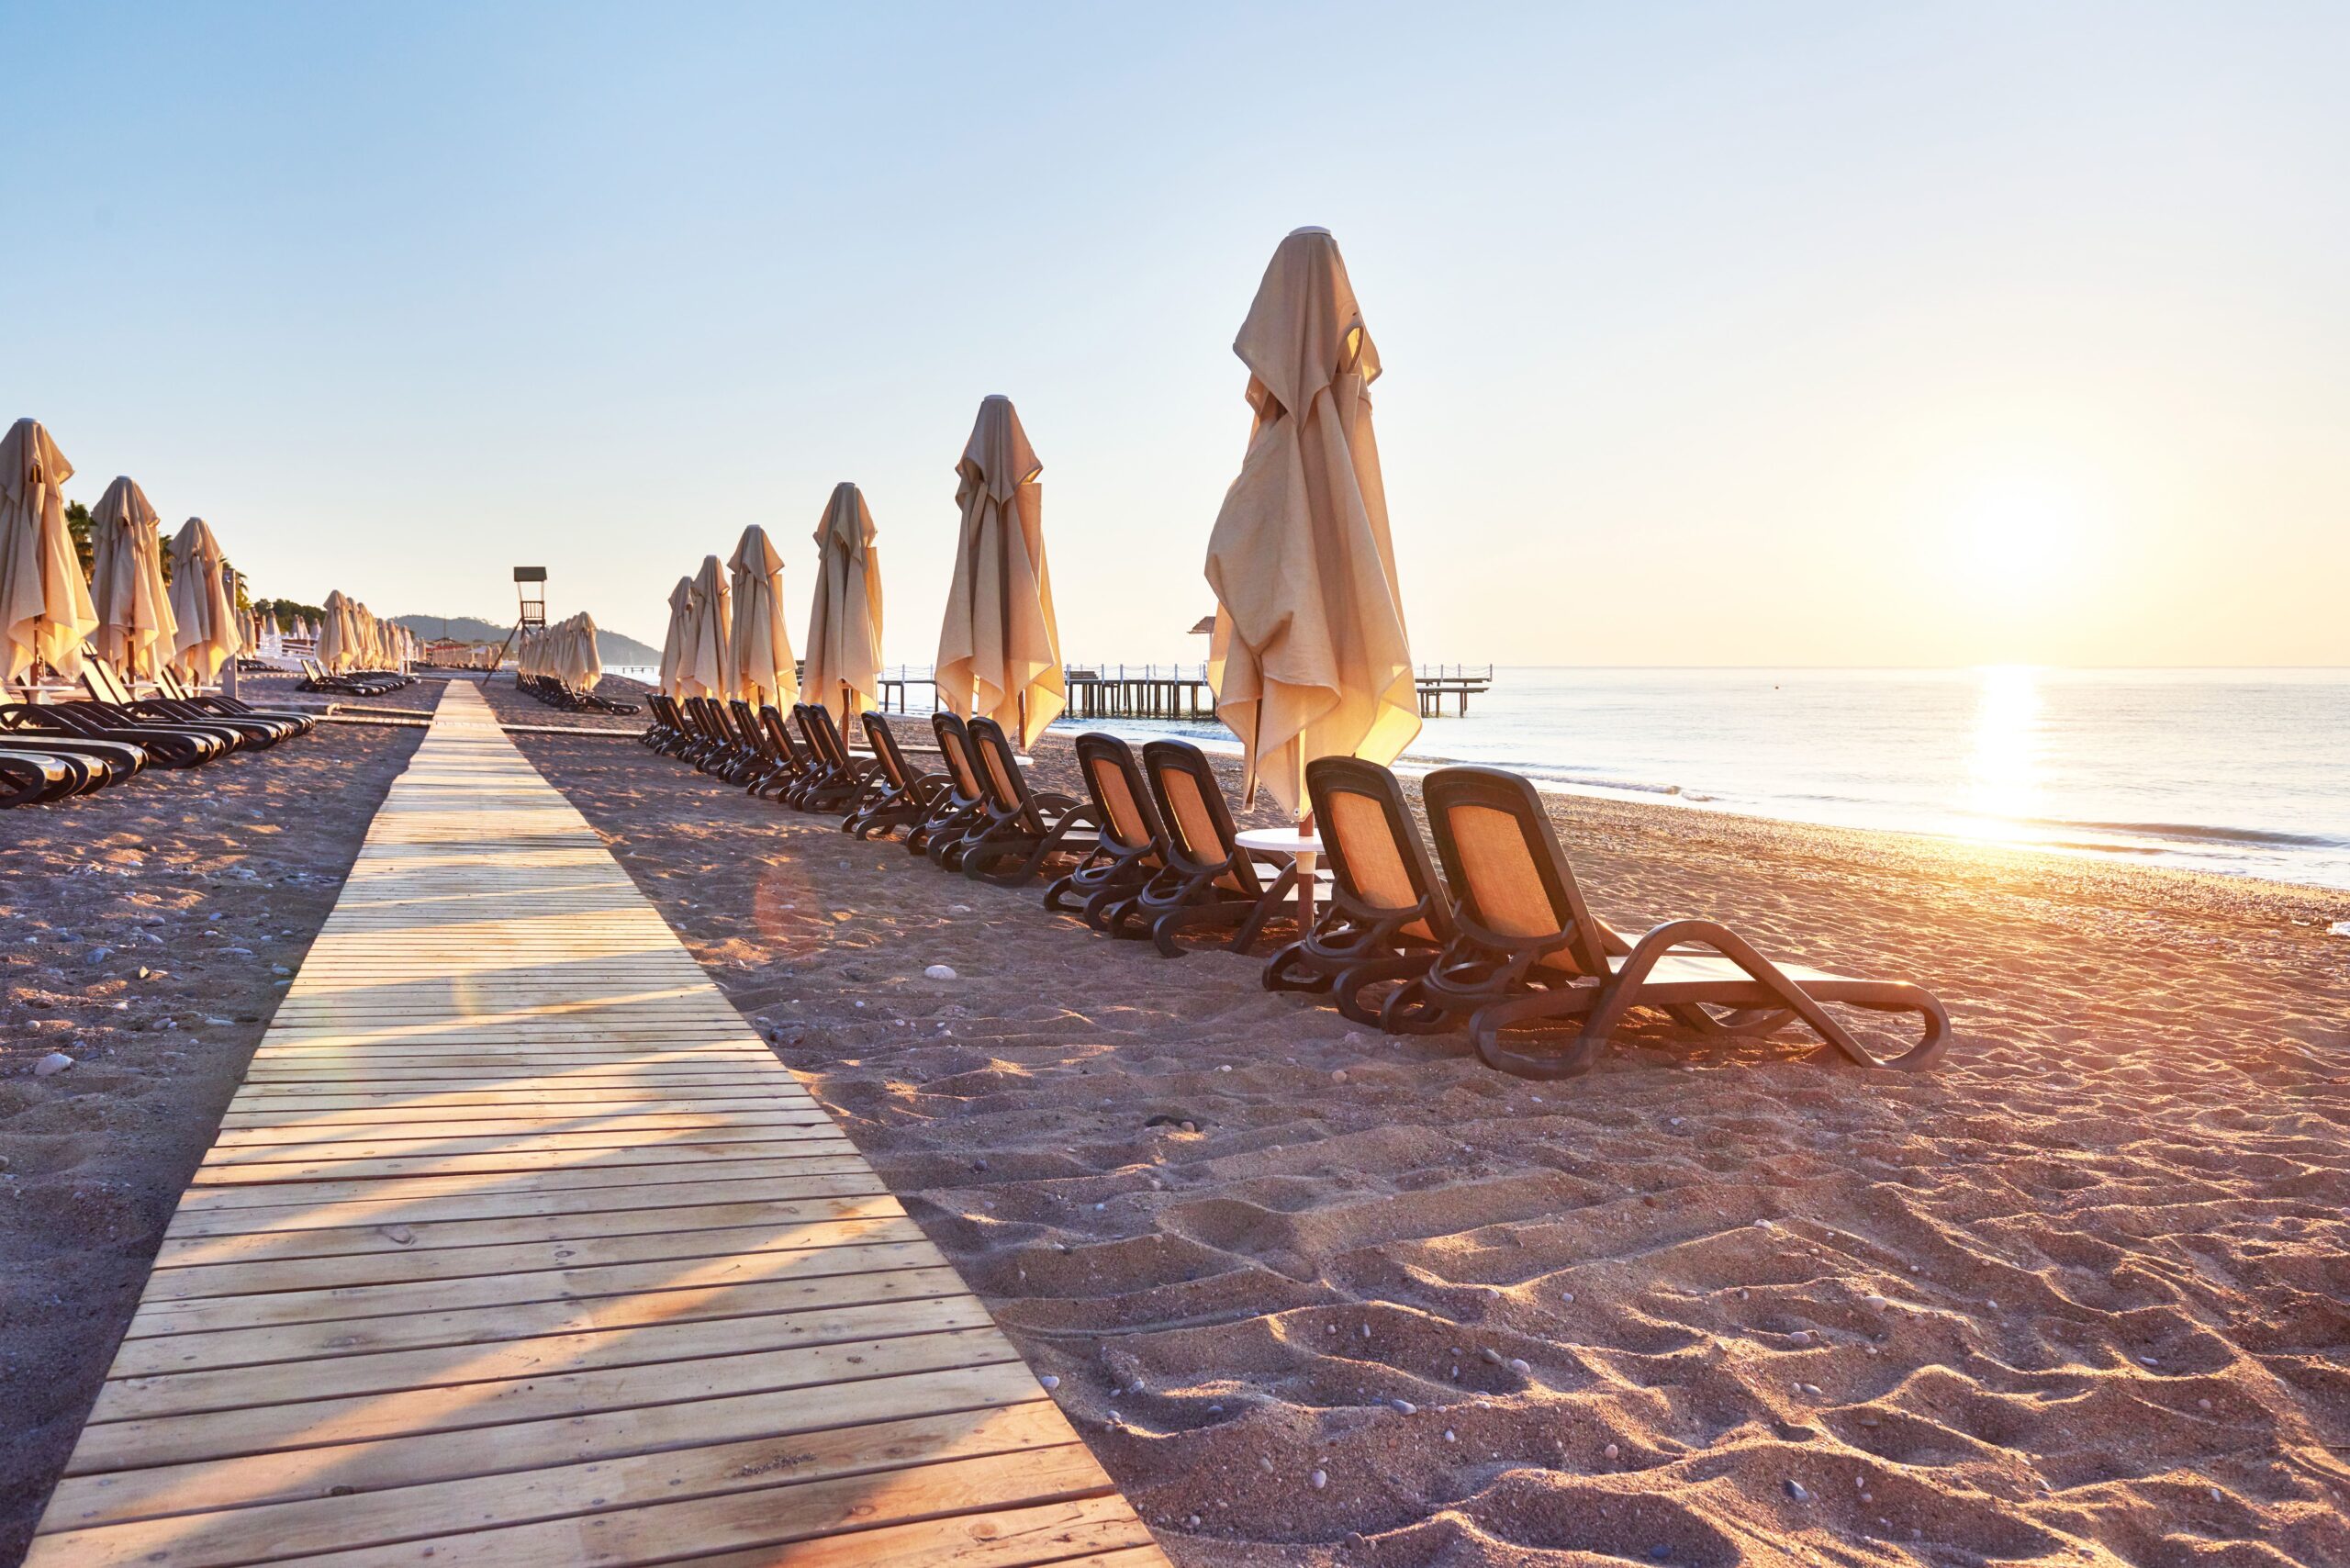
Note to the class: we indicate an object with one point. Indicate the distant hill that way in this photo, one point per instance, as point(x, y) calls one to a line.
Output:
point(617, 648)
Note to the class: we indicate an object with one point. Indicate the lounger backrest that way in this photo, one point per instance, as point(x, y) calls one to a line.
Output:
point(780, 746)
point(167, 681)
point(1121, 798)
point(100, 681)
point(815, 722)
point(1191, 806)
point(884, 742)
point(1505, 866)
point(1372, 846)
point(999, 769)
point(954, 746)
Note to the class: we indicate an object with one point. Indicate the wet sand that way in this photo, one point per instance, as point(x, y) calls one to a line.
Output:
point(147, 932)
point(1319, 1296)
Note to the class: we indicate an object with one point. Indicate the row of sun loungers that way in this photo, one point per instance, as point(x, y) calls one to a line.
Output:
point(353, 683)
point(1499, 942)
point(50, 750)
point(555, 694)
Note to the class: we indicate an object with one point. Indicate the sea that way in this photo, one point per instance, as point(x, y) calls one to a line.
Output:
point(2243, 771)
point(2240, 771)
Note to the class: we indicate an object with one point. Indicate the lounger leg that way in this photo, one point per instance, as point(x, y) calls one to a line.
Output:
point(1486, 1025)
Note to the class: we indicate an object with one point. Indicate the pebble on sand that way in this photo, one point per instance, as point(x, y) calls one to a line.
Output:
point(1796, 1489)
point(1050, 1381)
point(938, 972)
point(1319, 1479)
point(54, 1062)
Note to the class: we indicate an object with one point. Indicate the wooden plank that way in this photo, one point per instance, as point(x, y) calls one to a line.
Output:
point(994, 1424)
point(735, 1256)
point(516, 1245)
point(770, 1290)
point(414, 1238)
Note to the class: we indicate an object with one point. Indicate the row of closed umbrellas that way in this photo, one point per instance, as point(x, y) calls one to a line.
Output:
point(1310, 656)
point(129, 611)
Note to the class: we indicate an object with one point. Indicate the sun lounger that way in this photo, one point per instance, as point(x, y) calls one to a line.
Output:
point(1023, 827)
point(838, 782)
point(1207, 879)
point(163, 745)
point(1130, 844)
point(959, 805)
point(1527, 950)
point(908, 793)
point(169, 685)
point(108, 693)
point(1387, 917)
point(98, 678)
point(32, 777)
point(789, 766)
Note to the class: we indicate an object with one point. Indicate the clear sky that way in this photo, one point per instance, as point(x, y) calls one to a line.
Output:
point(1715, 334)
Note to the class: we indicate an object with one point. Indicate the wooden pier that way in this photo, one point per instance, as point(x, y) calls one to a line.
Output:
point(519, 1249)
point(1181, 691)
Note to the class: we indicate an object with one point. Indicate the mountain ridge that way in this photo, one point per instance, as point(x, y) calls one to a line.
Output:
point(614, 647)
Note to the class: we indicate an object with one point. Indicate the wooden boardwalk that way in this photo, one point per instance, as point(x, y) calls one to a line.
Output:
point(518, 1247)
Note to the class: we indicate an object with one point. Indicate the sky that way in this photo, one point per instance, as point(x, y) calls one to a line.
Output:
point(1739, 334)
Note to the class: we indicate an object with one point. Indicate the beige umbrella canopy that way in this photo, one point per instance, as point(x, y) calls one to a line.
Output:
point(1309, 656)
point(136, 626)
point(45, 609)
point(706, 666)
point(206, 636)
point(673, 646)
point(999, 648)
point(763, 662)
point(583, 662)
point(334, 633)
point(844, 659)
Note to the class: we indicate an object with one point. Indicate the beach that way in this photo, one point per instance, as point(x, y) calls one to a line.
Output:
point(1319, 1296)
point(150, 930)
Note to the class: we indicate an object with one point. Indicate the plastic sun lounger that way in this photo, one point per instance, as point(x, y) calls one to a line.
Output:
point(1026, 827)
point(210, 703)
point(908, 793)
point(1388, 916)
point(1526, 950)
point(1130, 843)
point(961, 807)
point(1207, 879)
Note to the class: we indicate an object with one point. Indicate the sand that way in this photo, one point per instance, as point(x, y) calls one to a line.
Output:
point(2078, 1294)
point(146, 931)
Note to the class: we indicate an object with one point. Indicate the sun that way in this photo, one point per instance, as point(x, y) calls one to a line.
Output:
point(2017, 541)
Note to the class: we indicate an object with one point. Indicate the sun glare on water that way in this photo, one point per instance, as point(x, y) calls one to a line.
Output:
point(2003, 769)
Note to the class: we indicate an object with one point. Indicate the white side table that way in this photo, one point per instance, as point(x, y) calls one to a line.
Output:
point(1301, 851)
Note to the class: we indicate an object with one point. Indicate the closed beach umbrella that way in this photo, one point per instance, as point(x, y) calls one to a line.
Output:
point(207, 634)
point(763, 662)
point(673, 646)
point(706, 668)
point(1309, 656)
point(332, 632)
point(845, 623)
point(586, 658)
point(1000, 649)
point(45, 609)
point(133, 603)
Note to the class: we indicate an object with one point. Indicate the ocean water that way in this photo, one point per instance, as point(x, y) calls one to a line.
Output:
point(2233, 770)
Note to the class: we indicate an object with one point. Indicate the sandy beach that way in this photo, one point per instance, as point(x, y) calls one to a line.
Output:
point(1317, 1296)
point(148, 930)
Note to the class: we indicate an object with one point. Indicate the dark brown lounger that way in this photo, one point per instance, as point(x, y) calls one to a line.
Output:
point(1130, 845)
point(960, 806)
point(1526, 949)
point(1208, 880)
point(1387, 917)
point(1025, 827)
point(908, 793)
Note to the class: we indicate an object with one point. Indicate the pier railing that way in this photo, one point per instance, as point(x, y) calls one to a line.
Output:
point(1179, 690)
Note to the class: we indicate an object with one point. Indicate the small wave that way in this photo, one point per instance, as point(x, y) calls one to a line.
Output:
point(2197, 831)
